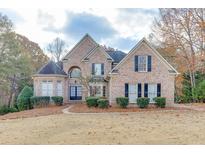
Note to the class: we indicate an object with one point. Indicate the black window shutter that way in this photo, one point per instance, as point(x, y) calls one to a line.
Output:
point(104, 91)
point(149, 65)
point(93, 69)
point(126, 89)
point(102, 69)
point(158, 90)
point(139, 90)
point(145, 90)
point(136, 63)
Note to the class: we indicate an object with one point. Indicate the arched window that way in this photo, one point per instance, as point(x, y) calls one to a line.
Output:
point(75, 72)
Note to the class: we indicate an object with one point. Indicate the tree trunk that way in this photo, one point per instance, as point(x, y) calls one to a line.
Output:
point(11, 90)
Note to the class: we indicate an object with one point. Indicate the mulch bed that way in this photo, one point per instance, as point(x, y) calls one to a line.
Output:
point(82, 108)
point(50, 110)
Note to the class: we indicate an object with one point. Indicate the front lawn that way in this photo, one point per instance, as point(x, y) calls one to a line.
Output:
point(155, 127)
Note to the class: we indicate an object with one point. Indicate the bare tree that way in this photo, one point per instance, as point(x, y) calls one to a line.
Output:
point(182, 30)
point(85, 81)
point(57, 48)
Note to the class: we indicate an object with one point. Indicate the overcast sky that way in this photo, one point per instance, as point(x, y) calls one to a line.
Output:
point(118, 28)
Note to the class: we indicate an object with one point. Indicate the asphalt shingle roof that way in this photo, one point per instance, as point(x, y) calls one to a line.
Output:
point(51, 68)
point(117, 56)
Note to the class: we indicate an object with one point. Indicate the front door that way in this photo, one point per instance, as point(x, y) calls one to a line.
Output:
point(75, 92)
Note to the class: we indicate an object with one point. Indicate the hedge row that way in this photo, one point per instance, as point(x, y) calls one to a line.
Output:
point(5, 109)
point(142, 102)
point(43, 101)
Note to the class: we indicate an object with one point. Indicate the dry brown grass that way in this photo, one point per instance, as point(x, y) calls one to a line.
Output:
point(151, 127)
point(82, 108)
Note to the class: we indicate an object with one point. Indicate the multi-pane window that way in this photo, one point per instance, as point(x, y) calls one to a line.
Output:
point(59, 88)
point(47, 88)
point(97, 68)
point(142, 63)
point(75, 73)
point(152, 92)
point(97, 90)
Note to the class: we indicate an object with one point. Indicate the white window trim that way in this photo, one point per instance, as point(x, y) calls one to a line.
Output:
point(135, 92)
point(98, 85)
point(100, 69)
point(59, 91)
point(155, 92)
point(48, 91)
point(146, 63)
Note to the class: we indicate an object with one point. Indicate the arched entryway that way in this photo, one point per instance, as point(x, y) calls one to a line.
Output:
point(75, 88)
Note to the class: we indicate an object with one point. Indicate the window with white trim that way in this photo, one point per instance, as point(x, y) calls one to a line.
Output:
point(47, 88)
point(98, 70)
point(59, 88)
point(142, 64)
point(75, 73)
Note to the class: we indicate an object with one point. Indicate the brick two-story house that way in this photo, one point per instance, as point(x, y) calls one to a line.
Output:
point(143, 72)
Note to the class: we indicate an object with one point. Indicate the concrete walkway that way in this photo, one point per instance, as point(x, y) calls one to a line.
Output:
point(67, 110)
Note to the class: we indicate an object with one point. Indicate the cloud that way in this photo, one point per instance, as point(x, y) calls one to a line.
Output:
point(139, 10)
point(78, 24)
point(12, 15)
point(118, 28)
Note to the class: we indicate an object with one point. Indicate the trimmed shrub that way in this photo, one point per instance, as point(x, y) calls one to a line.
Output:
point(160, 101)
point(5, 109)
point(122, 101)
point(143, 102)
point(58, 100)
point(40, 101)
point(92, 101)
point(103, 103)
point(13, 109)
point(23, 100)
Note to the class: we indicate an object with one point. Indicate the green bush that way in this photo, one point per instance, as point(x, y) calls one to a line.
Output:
point(122, 101)
point(199, 91)
point(103, 103)
point(5, 109)
point(40, 101)
point(58, 100)
point(143, 102)
point(92, 101)
point(23, 100)
point(13, 109)
point(160, 101)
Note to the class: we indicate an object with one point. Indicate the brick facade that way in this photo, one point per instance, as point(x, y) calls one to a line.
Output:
point(115, 87)
point(127, 74)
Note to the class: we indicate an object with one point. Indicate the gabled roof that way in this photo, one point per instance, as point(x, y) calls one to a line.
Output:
point(173, 70)
point(94, 50)
point(84, 37)
point(117, 56)
point(51, 68)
